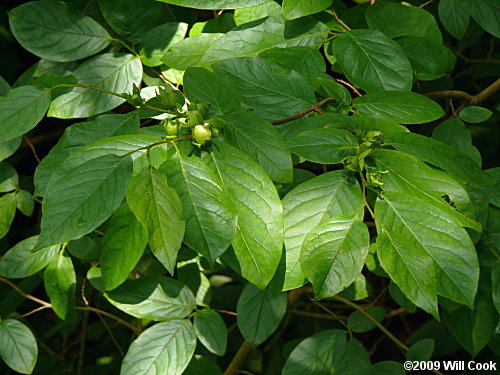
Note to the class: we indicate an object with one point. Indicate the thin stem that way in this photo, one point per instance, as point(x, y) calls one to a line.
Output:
point(32, 312)
point(335, 316)
point(24, 294)
point(453, 94)
point(482, 96)
point(124, 45)
point(426, 3)
point(99, 311)
point(226, 312)
point(314, 108)
point(345, 83)
point(33, 150)
point(337, 18)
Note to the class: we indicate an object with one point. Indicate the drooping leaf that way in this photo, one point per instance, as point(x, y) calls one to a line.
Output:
point(153, 297)
point(454, 15)
point(116, 72)
point(8, 204)
point(159, 208)
point(215, 4)
point(165, 348)
point(20, 111)
point(259, 313)
point(486, 13)
point(60, 284)
point(266, 87)
point(262, 142)
point(334, 253)
point(55, 31)
point(156, 42)
point(20, 261)
point(122, 246)
point(18, 346)
point(325, 145)
point(209, 212)
point(258, 241)
point(211, 331)
point(312, 202)
point(299, 8)
point(372, 61)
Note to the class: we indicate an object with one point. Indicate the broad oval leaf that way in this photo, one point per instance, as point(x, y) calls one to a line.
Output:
point(486, 13)
point(262, 142)
point(259, 313)
point(310, 203)
point(333, 253)
point(57, 32)
point(20, 261)
point(18, 346)
point(324, 145)
point(426, 252)
point(159, 208)
point(60, 283)
point(475, 114)
point(402, 107)
point(211, 331)
point(454, 15)
point(121, 247)
point(258, 241)
point(20, 111)
point(165, 348)
point(215, 4)
point(373, 61)
point(154, 298)
point(116, 72)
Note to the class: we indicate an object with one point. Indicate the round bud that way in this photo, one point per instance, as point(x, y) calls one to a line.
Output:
point(201, 134)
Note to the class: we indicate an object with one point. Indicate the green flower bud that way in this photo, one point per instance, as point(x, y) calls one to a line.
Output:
point(201, 134)
point(171, 127)
point(194, 118)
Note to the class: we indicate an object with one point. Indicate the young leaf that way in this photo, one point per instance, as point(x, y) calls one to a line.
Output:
point(8, 204)
point(159, 209)
point(299, 8)
point(403, 107)
point(325, 146)
point(20, 261)
point(454, 15)
point(258, 241)
point(122, 247)
point(372, 61)
point(267, 87)
point(57, 32)
point(18, 346)
point(262, 142)
point(333, 253)
point(116, 72)
point(165, 348)
point(21, 110)
point(306, 206)
point(60, 283)
point(211, 331)
point(259, 313)
point(153, 298)
point(82, 195)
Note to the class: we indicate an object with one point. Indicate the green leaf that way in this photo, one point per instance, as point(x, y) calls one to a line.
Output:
point(131, 18)
point(425, 252)
point(8, 204)
point(256, 12)
point(82, 195)
point(335, 90)
point(60, 282)
point(475, 114)
point(116, 72)
point(262, 142)
point(387, 368)
point(9, 180)
point(153, 298)
point(421, 351)
point(333, 253)
point(299, 8)
point(307, 61)
point(57, 32)
point(312, 202)
point(215, 4)
point(205, 86)
point(18, 346)
point(453, 132)
point(405, 173)
point(85, 248)
point(20, 261)
point(486, 13)
point(191, 275)
point(159, 209)
point(209, 213)
point(122, 247)
point(403, 107)
point(358, 290)
point(372, 61)
point(165, 348)
point(259, 313)
point(4, 86)
point(220, 24)
point(454, 15)
point(396, 20)
point(258, 241)
point(211, 331)
point(495, 283)
point(21, 110)
point(249, 39)
point(357, 322)
point(25, 202)
point(7, 148)
point(202, 366)
point(266, 87)
point(156, 42)
point(324, 146)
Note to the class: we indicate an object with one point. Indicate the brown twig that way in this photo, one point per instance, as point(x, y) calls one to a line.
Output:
point(239, 359)
point(226, 312)
point(24, 294)
point(332, 314)
point(337, 18)
point(98, 311)
point(468, 60)
point(83, 343)
point(425, 4)
point(345, 83)
point(303, 113)
point(43, 307)
point(482, 96)
point(33, 150)
point(453, 94)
